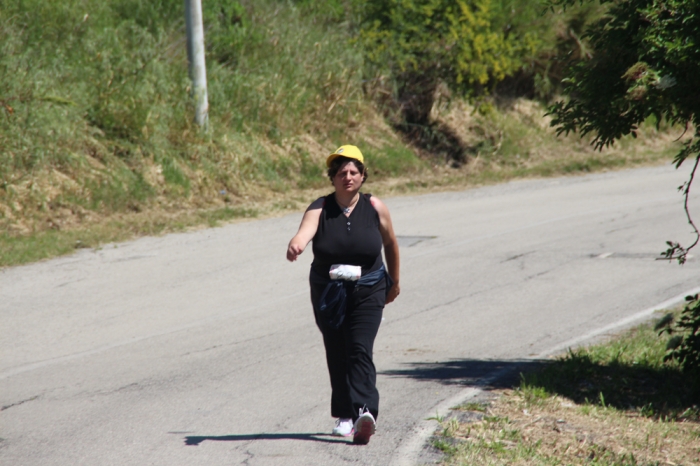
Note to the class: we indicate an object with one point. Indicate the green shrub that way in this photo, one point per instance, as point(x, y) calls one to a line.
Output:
point(425, 42)
point(559, 42)
point(684, 345)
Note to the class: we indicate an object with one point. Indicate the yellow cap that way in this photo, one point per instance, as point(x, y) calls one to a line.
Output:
point(348, 151)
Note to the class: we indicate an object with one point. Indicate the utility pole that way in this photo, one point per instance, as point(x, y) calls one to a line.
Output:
point(195, 56)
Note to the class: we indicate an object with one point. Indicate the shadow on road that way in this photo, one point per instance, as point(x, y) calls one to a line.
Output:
point(318, 437)
point(653, 391)
point(477, 372)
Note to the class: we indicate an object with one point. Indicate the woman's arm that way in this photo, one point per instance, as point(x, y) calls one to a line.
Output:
point(391, 246)
point(307, 230)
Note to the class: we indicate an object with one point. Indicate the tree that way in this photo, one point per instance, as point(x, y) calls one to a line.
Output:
point(645, 64)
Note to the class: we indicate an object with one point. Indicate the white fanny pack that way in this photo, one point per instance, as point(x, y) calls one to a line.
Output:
point(345, 272)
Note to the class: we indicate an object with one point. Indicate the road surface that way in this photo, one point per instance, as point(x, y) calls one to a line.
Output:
point(200, 348)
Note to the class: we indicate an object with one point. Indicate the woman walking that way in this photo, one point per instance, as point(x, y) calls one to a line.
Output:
point(350, 286)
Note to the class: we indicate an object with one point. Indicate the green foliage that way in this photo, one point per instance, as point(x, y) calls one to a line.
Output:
point(684, 345)
point(646, 60)
point(393, 162)
point(473, 406)
point(444, 446)
point(558, 44)
point(80, 80)
point(473, 46)
point(532, 393)
point(228, 28)
point(275, 73)
point(425, 42)
point(123, 64)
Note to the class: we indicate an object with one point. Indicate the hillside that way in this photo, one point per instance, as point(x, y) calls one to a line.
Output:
point(97, 142)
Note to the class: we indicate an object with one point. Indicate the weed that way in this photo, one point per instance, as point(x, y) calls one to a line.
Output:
point(471, 406)
point(449, 427)
point(533, 393)
point(495, 419)
point(444, 446)
point(510, 434)
point(437, 418)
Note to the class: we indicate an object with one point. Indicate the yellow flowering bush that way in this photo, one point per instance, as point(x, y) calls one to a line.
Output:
point(424, 42)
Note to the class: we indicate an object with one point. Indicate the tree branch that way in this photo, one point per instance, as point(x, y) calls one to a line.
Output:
point(686, 194)
point(675, 251)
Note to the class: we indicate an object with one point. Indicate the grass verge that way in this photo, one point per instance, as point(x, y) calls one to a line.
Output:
point(615, 403)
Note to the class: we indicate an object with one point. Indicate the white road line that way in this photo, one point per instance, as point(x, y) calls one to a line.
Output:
point(620, 324)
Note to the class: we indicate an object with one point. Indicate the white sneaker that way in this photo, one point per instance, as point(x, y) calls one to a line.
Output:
point(343, 427)
point(365, 426)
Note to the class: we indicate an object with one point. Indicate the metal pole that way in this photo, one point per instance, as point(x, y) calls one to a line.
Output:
point(195, 56)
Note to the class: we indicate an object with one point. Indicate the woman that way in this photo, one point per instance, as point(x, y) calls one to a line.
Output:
point(350, 286)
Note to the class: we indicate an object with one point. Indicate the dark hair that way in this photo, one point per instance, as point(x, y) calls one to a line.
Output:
point(338, 162)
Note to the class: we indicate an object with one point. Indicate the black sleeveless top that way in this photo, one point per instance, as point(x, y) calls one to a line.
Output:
point(353, 240)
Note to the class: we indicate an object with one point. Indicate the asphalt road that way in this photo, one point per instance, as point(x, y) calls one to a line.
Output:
point(200, 348)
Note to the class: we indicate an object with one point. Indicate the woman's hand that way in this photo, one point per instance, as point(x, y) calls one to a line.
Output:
point(294, 250)
point(393, 293)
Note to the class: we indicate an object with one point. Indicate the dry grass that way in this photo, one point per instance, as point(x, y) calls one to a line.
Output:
point(517, 430)
point(517, 138)
point(231, 174)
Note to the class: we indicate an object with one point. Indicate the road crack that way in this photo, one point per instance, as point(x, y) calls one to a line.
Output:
point(19, 403)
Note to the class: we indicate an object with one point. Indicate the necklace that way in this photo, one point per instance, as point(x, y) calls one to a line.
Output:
point(346, 209)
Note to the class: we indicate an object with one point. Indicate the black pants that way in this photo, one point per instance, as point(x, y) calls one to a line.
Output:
point(349, 350)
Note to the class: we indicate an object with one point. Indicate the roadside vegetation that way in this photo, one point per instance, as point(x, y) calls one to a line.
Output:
point(622, 402)
point(97, 142)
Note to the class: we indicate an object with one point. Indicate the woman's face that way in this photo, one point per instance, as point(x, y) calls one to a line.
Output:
point(348, 179)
